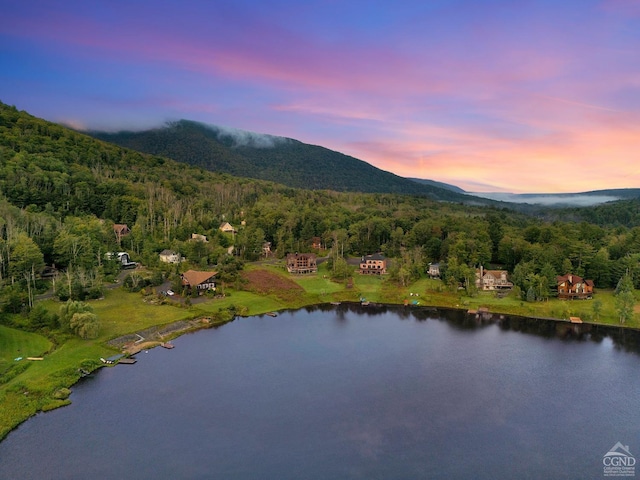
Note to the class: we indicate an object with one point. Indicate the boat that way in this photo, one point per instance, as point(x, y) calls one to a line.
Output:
point(167, 345)
point(272, 314)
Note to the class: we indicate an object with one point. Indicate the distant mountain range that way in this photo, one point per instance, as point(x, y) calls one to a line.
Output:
point(583, 199)
point(296, 164)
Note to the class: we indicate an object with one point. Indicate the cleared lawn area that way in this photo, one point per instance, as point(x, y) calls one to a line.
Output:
point(369, 286)
point(16, 343)
point(121, 312)
point(319, 283)
point(255, 303)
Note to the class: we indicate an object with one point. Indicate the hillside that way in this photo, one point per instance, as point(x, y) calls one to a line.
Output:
point(278, 159)
point(434, 183)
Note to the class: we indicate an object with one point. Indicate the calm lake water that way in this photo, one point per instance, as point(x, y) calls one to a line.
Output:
point(348, 392)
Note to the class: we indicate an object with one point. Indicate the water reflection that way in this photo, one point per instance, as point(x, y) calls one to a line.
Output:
point(624, 339)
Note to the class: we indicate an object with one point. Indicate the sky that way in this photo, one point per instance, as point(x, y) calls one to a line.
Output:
point(491, 96)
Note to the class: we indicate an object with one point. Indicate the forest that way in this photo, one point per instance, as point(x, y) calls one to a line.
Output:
point(62, 191)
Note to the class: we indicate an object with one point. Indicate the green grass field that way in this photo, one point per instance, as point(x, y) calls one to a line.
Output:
point(16, 343)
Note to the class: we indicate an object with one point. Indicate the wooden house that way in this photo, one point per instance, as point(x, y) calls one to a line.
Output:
point(492, 279)
point(201, 281)
point(301, 263)
point(573, 286)
point(316, 243)
point(120, 230)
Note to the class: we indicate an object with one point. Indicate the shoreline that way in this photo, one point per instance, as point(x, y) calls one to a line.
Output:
point(205, 322)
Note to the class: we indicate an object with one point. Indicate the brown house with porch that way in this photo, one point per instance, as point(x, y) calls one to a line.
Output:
point(573, 286)
point(301, 263)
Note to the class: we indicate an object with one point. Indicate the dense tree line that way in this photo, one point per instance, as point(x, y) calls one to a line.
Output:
point(62, 191)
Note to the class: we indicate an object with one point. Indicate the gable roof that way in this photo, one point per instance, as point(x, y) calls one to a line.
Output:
point(495, 273)
point(569, 277)
point(167, 252)
point(195, 277)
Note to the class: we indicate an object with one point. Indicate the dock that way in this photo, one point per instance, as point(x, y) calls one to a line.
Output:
point(127, 361)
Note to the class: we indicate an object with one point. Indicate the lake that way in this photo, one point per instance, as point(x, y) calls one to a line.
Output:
point(349, 392)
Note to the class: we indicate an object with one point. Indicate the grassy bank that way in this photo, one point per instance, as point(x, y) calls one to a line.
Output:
point(30, 386)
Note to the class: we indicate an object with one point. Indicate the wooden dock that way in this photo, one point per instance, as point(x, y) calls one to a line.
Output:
point(127, 361)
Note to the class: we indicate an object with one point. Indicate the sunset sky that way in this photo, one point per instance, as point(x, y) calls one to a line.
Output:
point(527, 96)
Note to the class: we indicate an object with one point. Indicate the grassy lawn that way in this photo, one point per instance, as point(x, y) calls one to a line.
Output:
point(16, 343)
point(255, 303)
point(319, 284)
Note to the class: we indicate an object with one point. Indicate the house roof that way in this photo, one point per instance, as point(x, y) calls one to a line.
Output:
point(569, 277)
point(167, 252)
point(195, 277)
point(119, 227)
point(495, 273)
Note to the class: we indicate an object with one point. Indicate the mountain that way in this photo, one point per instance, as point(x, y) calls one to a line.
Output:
point(434, 183)
point(278, 159)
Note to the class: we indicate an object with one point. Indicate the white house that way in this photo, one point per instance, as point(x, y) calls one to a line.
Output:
point(169, 256)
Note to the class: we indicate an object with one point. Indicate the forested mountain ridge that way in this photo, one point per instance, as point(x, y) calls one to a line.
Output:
point(278, 159)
